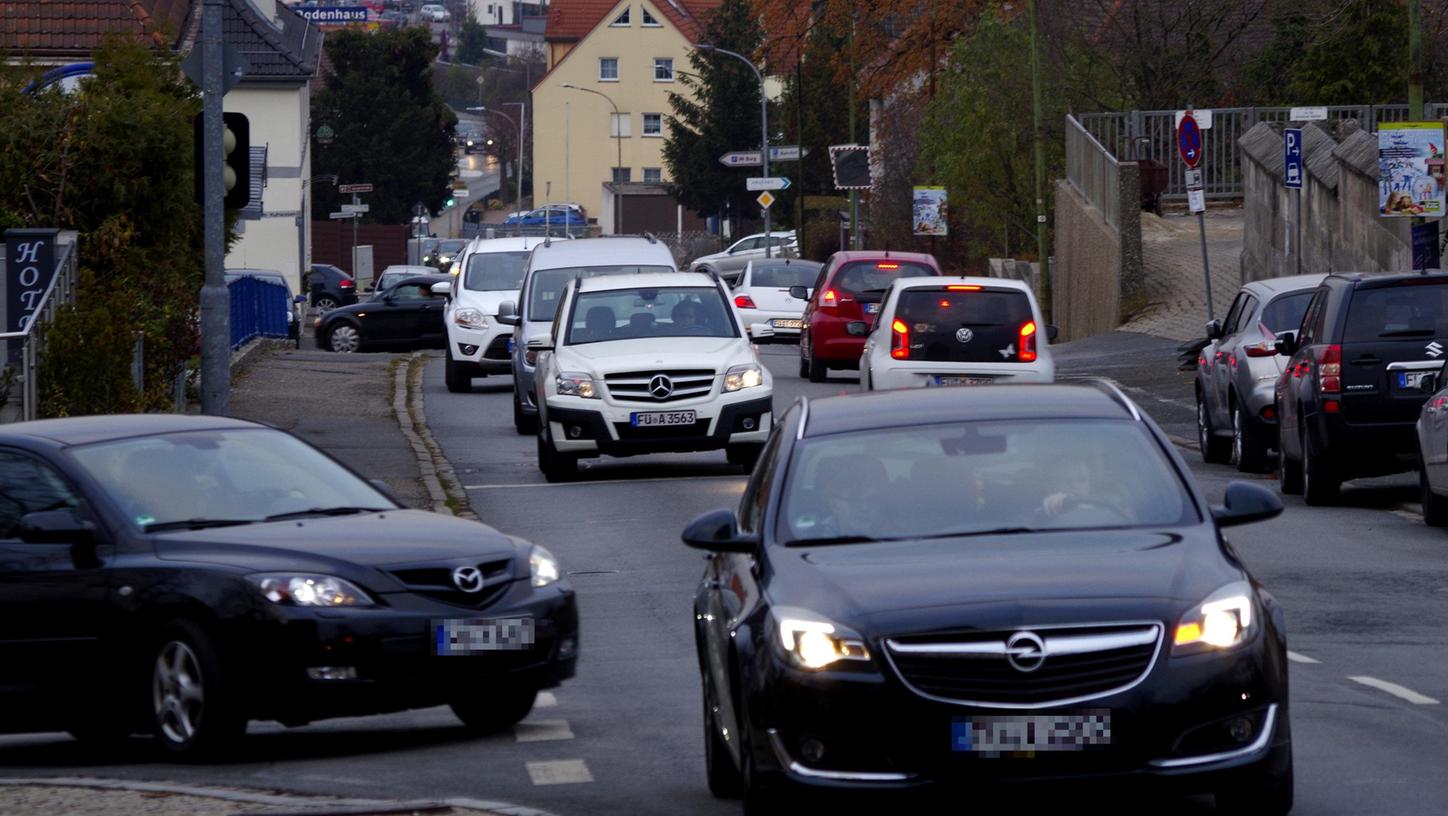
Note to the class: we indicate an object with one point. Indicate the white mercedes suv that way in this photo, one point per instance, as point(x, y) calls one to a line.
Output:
point(647, 364)
point(488, 273)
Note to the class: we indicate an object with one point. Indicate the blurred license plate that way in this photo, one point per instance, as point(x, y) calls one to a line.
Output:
point(473, 636)
point(939, 380)
point(1413, 379)
point(787, 324)
point(1030, 733)
point(872, 308)
point(652, 419)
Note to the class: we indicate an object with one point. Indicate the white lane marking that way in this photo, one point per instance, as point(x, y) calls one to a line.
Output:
point(1300, 658)
point(542, 731)
point(739, 478)
point(559, 772)
point(545, 699)
point(1401, 692)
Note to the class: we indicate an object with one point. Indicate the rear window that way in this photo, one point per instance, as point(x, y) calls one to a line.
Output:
point(546, 288)
point(783, 275)
point(1412, 311)
point(1285, 313)
point(496, 271)
point(865, 276)
point(964, 326)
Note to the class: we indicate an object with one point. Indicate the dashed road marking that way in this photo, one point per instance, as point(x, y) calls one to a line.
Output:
point(542, 731)
point(1297, 657)
point(1401, 692)
point(559, 772)
point(545, 699)
point(741, 478)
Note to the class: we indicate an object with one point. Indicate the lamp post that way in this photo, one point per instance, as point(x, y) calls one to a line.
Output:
point(522, 123)
point(763, 131)
point(518, 170)
point(618, 136)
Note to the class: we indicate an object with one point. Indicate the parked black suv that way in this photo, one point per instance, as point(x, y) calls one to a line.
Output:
point(1362, 364)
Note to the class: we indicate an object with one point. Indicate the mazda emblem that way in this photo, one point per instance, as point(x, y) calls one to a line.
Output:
point(661, 387)
point(468, 579)
point(964, 335)
point(1025, 651)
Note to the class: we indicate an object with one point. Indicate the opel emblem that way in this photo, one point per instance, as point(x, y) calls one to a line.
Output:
point(964, 335)
point(661, 387)
point(468, 579)
point(1025, 651)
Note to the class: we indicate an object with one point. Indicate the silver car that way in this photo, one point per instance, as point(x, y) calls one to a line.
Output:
point(729, 264)
point(1238, 369)
point(1433, 454)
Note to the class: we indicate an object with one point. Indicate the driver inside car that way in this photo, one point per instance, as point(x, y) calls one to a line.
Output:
point(686, 317)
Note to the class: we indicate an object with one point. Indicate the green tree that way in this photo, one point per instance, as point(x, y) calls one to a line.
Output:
point(720, 114)
point(393, 129)
point(471, 42)
point(1357, 55)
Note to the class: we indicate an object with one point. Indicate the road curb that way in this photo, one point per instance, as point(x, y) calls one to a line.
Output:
point(324, 806)
point(443, 488)
point(240, 357)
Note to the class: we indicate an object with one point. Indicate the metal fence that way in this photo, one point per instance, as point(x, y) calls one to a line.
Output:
point(1093, 170)
point(1138, 135)
point(258, 309)
point(60, 293)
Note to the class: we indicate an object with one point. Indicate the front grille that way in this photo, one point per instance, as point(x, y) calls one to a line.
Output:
point(1080, 662)
point(633, 386)
point(498, 349)
point(627, 432)
point(437, 583)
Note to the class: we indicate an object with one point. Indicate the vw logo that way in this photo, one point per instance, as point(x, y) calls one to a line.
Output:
point(468, 579)
point(1435, 349)
point(661, 387)
point(964, 335)
point(1025, 651)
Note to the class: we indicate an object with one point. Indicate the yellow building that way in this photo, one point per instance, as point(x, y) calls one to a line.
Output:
point(623, 54)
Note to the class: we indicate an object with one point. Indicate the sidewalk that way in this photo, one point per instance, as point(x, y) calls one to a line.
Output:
point(1171, 251)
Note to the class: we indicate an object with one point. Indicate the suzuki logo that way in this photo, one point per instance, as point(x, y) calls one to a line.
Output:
point(1434, 349)
point(661, 387)
point(468, 579)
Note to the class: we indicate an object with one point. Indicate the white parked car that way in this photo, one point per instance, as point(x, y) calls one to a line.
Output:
point(649, 363)
point(392, 274)
point(487, 274)
point(434, 12)
point(729, 264)
point(762, 293)
point(956, 331)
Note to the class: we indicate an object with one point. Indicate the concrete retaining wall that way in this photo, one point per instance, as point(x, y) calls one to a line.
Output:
point(1098, 279)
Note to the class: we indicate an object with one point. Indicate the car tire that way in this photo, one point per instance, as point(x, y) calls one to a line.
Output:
point(555, 466)
point(745, 454)
point(725, 781)
point(1435, 507)
point(195, 711)
point(523, 423)
point(325, 304)
point(456, 375)
point(1266, 790)
point(803, 363)
point(1320, 484)
point(1248, 452)
point(1289, 473)
point(344, 338)
point(817, 371)
point(1215, 450)
point(494, 710)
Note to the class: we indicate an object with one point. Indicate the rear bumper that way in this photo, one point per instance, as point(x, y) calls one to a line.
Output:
point(1358, 449)
point(886, 376)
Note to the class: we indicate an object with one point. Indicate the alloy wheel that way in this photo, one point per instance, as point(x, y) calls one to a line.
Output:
point(344, 339)
point(325, 304)
point(177, 696)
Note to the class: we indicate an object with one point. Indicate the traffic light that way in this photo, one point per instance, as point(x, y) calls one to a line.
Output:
point(236, 152)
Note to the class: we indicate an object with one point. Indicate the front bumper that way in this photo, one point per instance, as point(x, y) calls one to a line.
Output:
point(486, 349)
point(591, 427)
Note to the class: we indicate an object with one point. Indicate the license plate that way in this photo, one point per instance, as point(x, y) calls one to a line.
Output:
point(474, 636)
point(1028, 734)
point(786, 324)
point(654, 419)
point(1413, 379)
point(944, 380)
point(872, 308)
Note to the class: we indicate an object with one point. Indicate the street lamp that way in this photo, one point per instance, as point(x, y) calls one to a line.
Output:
point(518, 170)
point(618, 135)
point(763, 129)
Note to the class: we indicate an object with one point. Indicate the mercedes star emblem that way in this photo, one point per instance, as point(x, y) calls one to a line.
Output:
point(964, 335)
point(468, 579)
point(1025, 651)
point(661, 387)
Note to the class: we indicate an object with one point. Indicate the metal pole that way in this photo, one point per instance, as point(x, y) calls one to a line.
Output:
point(355, 201)
point(1415, 74)
point(567, 171)
point(855, 242)
point(1206, 270)
point(215, 299)
point(1042, 240)
point(763, 131)
point(1298, 222)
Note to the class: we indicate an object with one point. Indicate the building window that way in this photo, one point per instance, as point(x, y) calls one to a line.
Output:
point(649, 21)
point(622, 174)
point(621, 21)
point(653, 124)
point(620, 125)
point(663, 69)
point(608, 69)
point(654, 174)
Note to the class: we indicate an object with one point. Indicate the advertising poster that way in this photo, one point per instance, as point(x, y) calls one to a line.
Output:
point(930, 211)
point(1410, 169)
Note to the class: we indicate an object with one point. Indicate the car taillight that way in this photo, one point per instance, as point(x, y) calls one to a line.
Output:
point(1269, 413)
point(346, 284)
point(899, 340)
point(744, 302)
point(962, 288)
point(887, 266)
point(1329, 369)
point(829, 299)
point(1028, 342)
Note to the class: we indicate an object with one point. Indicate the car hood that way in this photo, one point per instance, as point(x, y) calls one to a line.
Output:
point(652, 353)
point(488, 302)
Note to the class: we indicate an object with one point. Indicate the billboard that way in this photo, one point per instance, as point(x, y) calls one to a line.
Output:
point(328, 18)
point(930, 212)
point(1410, 169)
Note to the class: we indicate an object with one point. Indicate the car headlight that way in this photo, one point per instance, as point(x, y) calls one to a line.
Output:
point(543, 566)
point(1222, 621)
point(811, 642)
point(743, 376)
point(573, 384)
point(290, 589)
point(470, 318)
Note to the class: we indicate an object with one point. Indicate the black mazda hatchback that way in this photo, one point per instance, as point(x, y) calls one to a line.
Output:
point(183, 575)
point(957, 590)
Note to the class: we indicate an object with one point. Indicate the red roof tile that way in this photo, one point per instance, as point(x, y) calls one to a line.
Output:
point(573, 19)
point(47, 28)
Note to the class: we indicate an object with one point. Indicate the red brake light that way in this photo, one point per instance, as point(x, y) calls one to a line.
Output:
point(744, 302)
point(899, 340)
point(1028, 342)
point(829, 298)
point(1269, 413)
point(345, 284)
point(1329, 370)
point(887, 266)
point(962, 288)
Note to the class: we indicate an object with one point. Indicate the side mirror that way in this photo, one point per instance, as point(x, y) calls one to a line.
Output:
point(761, 331)
point(540, 343)
point(1051, 332)
point(718, 531)
point(1245, 503)
point(508, 313)
point(386, 490)
point(1214, 330)
point(299, 299)
point(857, 328)
point(1286, 344)
point(800, 292)
point(443, 288)
point(55, 527)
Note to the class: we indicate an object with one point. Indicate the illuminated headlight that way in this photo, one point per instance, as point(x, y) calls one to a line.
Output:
point(309, 590)
point(1222, 621)
point(573, 384)
point(543, 566)
point(743, 376)
point(470, 318)
point(470, 142)
point(811, 642)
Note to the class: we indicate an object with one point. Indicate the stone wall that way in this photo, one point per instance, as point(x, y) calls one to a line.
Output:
point(1086, 284)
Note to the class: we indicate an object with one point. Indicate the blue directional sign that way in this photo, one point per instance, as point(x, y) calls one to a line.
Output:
point(1292, 158)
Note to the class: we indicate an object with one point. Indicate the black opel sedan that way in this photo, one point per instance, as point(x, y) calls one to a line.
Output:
point(183, 575)
point(955, 590)
point(406, 315)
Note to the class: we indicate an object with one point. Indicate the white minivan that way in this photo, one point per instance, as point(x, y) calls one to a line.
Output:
point(487, 273)
point(956, 331)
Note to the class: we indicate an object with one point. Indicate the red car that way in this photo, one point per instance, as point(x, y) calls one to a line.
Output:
point(848, 290)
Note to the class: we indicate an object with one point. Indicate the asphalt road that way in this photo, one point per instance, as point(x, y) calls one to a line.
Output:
point(1363, 585)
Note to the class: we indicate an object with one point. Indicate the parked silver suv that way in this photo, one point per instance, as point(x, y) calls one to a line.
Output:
point(729, 265)
point(1238, 370)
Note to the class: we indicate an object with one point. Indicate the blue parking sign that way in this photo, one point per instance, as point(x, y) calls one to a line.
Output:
point(1292, 158)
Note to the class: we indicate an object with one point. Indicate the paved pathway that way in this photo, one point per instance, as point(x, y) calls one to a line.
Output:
point(1172, 257)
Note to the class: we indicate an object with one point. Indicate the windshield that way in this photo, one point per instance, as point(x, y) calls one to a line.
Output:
point(1285, 313)
point(1418, 310)
point(546, 285)
point(244, 475)
point(783, 276)
point(868, 276)
point(963, 478)
point(496, 271)
point(628, 314)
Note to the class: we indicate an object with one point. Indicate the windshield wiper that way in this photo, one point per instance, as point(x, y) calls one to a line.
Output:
point(324, 511)
point(1409, 333)
point(827, 540)
point(195, 524)
point(991, 531)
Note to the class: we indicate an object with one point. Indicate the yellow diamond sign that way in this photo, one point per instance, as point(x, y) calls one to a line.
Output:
point(765, 199)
